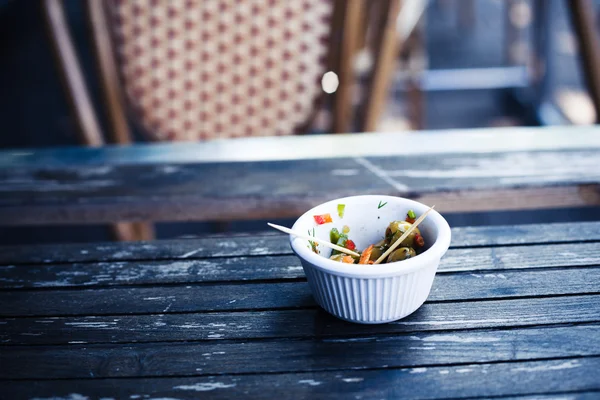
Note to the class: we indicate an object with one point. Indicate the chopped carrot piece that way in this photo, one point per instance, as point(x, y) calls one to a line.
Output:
point(364, 258)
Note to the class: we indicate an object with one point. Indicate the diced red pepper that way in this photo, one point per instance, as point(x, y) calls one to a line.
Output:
point(419, 240)
point(323, 219)
point(350, 245)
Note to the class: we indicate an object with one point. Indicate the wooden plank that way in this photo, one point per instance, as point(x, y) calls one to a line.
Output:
point(506, 258)
point(295, 323)
point(520, 199)
point(236, 269)
point(124, 273)
point(463, 381)
point(75, 209)
point(262, 245)
point(237, 191)
point(186, 359)
point(487, 171)
point(196, 298)
point(559, 396)
point(183, 249)
point(468, 141)
point(261, 296)
point(474, 236)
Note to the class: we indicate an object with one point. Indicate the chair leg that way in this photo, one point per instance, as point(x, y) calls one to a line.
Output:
point(386, 50)
point(144, 230)
point(582, 16)
point(362, 24)
point(123, 232)
point(71, 73)
point(343, 95)
point(81, 102)
point(417, 61)
point(132, 231)
point(113, 98)
point(415, 107)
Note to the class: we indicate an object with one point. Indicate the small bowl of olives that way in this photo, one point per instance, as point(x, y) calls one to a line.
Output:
point(355, 287)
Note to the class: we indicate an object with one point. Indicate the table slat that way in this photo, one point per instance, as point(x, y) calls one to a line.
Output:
point(296, 323)
point(274, 268)
point(195, 359)
point(260, 296)
point(484, 140)
point(260, 190)
point(276, 244)
point(462, 381)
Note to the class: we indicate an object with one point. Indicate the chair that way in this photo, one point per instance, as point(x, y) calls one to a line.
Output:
point(386, 50)
point(198, 70)
point(204, 69)
point(582, 17)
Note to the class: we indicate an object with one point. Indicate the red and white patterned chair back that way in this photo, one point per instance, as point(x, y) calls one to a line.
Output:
point(202, 69)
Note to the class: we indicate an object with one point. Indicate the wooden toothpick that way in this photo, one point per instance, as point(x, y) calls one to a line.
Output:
point(314, 239)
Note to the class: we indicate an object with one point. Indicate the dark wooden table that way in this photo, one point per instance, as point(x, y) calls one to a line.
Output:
point(514, 311)
point(263, 178)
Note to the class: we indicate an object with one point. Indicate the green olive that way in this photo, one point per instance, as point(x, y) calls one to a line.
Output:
point(378, 249)
point(377, 252)
point(397, 228)
point(403, 253)
point(409, 241)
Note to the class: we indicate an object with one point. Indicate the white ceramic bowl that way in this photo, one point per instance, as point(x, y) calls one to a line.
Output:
point(370, 294)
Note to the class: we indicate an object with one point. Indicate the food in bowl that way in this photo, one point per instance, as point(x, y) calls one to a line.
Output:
point(410, 246)
point(374, 293)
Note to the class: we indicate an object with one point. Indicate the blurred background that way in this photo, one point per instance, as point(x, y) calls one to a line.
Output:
point(448, 64)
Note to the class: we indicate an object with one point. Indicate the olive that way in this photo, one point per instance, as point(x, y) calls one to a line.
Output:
point(377, 252)
point(397, 228)
point(409, 241)
point(403, 253)
point(378, 249)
